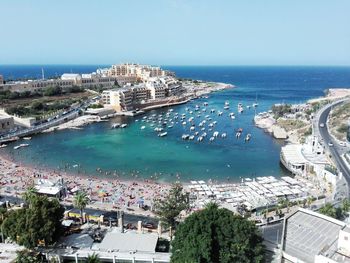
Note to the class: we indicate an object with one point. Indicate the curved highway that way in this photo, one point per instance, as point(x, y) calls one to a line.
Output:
point(332, 146)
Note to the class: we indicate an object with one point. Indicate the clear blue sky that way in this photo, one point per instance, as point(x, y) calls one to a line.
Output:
point(175, 32)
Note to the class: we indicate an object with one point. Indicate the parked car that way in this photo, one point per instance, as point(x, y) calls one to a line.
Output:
point(321, 125)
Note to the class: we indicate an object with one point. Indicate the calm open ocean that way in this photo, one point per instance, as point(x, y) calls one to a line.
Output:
point(135, 151)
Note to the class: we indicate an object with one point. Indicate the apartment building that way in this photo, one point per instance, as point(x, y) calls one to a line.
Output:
point(120, 99)
point(141, 72)
point(1, 80)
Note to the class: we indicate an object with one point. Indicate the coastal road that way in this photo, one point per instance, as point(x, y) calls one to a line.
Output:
point(60, 118)
point(128, 218)
point(330, 144)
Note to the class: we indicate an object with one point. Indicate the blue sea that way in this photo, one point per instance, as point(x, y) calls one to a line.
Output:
point(136, 152)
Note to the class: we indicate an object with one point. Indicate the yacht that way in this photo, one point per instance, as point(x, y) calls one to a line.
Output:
point(115, 125)
point(240, 107)
point(162, 134)
point(185, 136)
point(123, 125)
point(21, 145)
point(143, 127)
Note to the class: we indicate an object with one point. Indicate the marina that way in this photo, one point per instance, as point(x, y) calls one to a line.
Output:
point(138, 151)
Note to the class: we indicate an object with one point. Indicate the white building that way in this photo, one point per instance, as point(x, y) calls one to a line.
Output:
point(310, 237)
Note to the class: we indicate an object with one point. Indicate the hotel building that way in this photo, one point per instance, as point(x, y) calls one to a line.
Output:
point(154, 90)
point(68, 80)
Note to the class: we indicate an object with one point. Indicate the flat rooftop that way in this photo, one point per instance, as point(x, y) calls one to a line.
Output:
point(308, 234)
point(129, 241)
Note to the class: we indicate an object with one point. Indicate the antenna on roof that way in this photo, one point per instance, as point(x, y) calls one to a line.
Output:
point(42, 74)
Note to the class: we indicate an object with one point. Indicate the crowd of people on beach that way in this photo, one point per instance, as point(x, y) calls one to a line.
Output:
point(137, 195)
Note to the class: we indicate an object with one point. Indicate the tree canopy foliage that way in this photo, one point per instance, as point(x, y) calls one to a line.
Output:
point(280, 110)
point(336, 212)
point(171, 206)
point(28, 256)
point(81, 200)
point(217, 235)
point(39, 223)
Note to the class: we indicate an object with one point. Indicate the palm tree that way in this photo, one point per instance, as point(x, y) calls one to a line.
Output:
point(309, 201)
point(93, 258)
point(80, 201)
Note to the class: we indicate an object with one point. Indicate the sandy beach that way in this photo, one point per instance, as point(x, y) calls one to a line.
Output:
point(109, 194)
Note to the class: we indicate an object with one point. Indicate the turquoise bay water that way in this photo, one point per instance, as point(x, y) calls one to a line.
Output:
point(135, 151)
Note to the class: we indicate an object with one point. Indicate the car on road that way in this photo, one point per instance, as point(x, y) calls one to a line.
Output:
point(322, 125)
point(342, 144)
point(330, 144)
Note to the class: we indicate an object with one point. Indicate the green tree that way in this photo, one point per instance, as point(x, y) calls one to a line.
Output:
point(80, 201)
point(93, 258)
point(29, 194)
point(53, 91)
point(345, 206)
point(28, 256)
point(40, 223)
point(217, 235)
point(309, 201)
point(171, 206)
point(328, 210)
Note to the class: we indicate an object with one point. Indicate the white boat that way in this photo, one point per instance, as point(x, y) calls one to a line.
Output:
point(205, 103)
point(162, 134)
point(212, 110)
point(3, 145)
point(184, 123)
point(200, 138)
point(158, 129)
point(227, 107)
point(192, 128)
point(256, 101)
point(211, 139)
point(223, 135)
point(191, 137)
point(124, 125)
point(185, 136)
point(21, 145)
point(196, 133)
point(247, 138)
point(143, 127)
point(215, 134)
point(227, 103)
point(27, 138)
point(219, 113)
point(115, 125)
point(240, 107)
